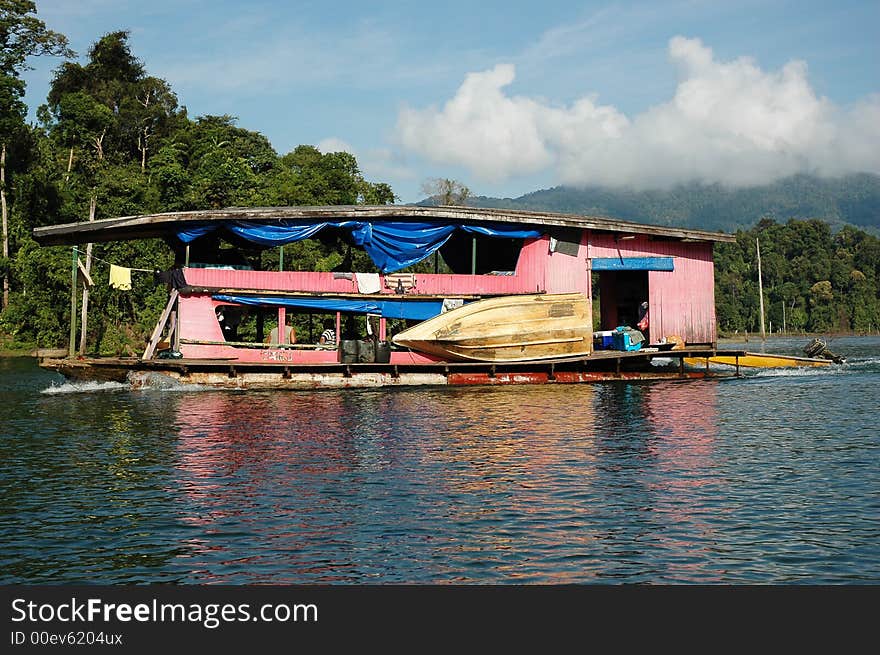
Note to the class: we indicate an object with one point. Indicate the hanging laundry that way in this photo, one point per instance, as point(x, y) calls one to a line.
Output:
point(173, 278)
point(120, 277)
point(368, 282)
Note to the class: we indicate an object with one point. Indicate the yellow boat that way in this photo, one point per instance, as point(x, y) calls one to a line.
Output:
point(507, 329)
point(758, 360)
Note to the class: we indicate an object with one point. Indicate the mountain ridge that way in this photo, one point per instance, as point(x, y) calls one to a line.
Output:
point(849, 200)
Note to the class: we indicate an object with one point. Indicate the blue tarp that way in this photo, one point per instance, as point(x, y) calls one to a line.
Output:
point(392, 245)
point(633, 264)
point(412, 309)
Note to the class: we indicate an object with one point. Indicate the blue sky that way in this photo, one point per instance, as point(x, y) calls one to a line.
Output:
point(509, 97)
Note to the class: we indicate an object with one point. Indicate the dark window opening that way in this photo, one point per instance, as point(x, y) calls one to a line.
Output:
point(493, 255)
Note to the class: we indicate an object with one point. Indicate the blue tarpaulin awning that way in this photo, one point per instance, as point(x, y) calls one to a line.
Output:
point(392, 245)
point(411, 309)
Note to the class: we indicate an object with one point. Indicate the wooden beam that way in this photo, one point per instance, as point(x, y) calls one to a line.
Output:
point(157, 331)
point(160, 225)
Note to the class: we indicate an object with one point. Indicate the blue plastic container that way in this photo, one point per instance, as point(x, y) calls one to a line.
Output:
point(603, 340)
point(623, 340)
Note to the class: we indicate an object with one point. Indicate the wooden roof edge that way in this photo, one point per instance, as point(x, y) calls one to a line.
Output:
point(156, 225)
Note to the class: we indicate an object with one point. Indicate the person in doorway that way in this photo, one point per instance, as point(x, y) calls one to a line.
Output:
point(643, 323)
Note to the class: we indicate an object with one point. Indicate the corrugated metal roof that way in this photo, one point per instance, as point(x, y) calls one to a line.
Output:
point(160, 225)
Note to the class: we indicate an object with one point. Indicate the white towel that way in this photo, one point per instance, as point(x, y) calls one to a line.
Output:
point(368, 282)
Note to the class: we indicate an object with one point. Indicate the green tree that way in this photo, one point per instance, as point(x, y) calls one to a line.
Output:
point(111, 134)
point(443, 191)
point(22, 35)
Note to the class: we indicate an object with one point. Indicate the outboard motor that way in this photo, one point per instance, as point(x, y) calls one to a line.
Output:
point(818, 349)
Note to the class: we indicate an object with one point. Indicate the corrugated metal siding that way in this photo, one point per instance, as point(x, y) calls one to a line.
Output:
point(682, 301)
point(552, 272)
point(198, 320)
point(426, 283)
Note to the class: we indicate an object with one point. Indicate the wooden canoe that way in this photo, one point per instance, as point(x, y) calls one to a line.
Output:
point(758, 360)
point(507, 329)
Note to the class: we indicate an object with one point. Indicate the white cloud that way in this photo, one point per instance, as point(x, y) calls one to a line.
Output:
point(728, 122)
point(480, 128)
point(332, 144)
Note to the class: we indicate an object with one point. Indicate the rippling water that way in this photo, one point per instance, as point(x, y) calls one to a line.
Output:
point(770, 478)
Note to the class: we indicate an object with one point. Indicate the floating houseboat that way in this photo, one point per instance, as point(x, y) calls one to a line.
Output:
point(513, 304)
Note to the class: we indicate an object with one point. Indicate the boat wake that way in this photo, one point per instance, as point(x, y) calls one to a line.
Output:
point(159, 382)
point(859, 364)
point(85, 387)
point(806, 371)
point(143, 382)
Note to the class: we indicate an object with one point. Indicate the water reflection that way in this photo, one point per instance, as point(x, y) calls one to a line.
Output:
point(686, 489)
point(296, 473)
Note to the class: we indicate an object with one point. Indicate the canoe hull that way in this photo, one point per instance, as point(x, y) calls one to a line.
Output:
point(507, 329)
point(759, 360)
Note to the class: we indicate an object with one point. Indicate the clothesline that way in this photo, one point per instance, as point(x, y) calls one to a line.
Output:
point(104, 261)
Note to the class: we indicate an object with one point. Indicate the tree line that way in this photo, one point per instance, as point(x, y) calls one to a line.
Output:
point(813, 280)
point(112, 140)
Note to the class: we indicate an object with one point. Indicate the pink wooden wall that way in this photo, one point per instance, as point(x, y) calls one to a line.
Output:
point(680, 302)
point(552, 272)
point(537, 271)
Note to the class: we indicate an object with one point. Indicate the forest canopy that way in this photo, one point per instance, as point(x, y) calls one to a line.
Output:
point(113, 140)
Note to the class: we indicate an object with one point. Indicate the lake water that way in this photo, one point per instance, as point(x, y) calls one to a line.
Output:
point(769, 478)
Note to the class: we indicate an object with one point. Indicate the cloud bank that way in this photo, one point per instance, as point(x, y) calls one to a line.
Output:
point(728, 122)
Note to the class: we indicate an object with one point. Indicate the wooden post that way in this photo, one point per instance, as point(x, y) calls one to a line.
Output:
point(760, 291)
point(5, 225)
point(474, 256)
point(72, 347)
point(174, 328)
point(85, 303)
point(282, 325)
point(281, 259)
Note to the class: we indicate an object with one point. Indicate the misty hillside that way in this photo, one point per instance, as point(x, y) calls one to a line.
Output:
point(854, 200)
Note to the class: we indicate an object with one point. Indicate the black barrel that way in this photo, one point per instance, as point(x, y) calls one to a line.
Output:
point(366, 351)
point(383, 352)
point(348, 351)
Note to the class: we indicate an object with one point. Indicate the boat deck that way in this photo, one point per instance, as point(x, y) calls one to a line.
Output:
point(603, 365)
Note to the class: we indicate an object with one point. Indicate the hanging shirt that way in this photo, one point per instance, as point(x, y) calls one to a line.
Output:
point(328, 338)
point(120, 277)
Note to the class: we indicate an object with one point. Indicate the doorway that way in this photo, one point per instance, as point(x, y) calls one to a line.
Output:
point(620, 295)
